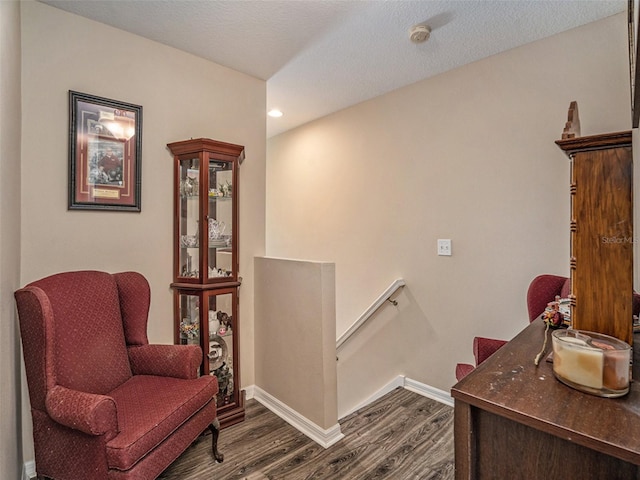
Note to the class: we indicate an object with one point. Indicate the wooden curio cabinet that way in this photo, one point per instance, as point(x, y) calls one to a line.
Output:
point(205, 268)
point(601, 229)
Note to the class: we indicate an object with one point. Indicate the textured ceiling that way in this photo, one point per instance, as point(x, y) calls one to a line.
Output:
point(319, 56)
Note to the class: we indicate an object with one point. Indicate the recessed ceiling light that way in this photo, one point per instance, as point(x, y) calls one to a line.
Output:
point(275, 113)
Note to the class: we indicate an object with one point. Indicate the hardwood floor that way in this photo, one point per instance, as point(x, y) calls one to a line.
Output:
point(402, 436)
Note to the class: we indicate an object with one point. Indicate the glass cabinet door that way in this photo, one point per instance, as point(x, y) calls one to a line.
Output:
point(189, 218)
point(206, 218)
point(221, 357)
point(189, 313)
point(220, 219)
point(209, 318)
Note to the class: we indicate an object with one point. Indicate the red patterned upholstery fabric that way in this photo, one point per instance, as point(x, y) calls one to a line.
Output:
point(544, 289)
point(91, 337)
point(135, 299)
point(105, 404)
point(463, 369)
point(87, 412)
point(180, 361)
point(483, 348)
point(149, 409)
point(170, 449)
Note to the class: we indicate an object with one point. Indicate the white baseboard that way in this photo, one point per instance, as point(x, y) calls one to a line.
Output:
point(428, 391)
point(29, 470)
point(392, 385)
point(412, 385)
point(324, 438)
point(249, 392)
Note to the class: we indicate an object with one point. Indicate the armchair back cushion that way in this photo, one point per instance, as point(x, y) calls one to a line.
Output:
point(135, 299)
point(542, 290)
point(86, 327)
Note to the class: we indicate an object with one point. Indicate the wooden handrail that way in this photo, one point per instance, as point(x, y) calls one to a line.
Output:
point(386, 296)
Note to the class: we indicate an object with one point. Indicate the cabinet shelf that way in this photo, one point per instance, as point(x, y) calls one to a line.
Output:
point(224, 248)
point(210, 197)
point(222, 198)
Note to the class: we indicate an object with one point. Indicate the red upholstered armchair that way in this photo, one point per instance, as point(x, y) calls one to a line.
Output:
point(105, 403)
point(542, 290)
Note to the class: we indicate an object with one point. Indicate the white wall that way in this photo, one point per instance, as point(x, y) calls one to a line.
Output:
point(183, 97)
point(10, 404)
point(468, 155)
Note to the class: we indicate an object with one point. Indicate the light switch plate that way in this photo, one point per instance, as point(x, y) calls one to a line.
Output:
point(444, 246)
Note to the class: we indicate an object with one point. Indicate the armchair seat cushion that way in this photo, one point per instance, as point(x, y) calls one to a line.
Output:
point(150, 409)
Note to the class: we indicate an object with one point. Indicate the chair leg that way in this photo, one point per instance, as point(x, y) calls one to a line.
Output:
point(215, 432)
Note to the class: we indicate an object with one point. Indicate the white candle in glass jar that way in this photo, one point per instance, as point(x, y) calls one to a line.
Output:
point(575, 361)
point(592, 362)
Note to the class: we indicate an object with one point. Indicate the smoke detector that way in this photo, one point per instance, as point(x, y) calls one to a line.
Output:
point(419, 33)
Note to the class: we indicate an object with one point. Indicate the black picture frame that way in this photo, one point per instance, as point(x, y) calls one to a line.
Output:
point(105, 153)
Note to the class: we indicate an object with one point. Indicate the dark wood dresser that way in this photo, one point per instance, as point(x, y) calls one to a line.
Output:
point(514, 420)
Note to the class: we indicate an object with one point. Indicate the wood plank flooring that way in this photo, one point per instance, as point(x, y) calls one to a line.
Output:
point(401, 436)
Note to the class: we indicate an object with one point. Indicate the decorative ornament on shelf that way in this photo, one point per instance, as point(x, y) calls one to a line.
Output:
point(225, 189)
point(224, 320)
point(188, 329)
point(189, 185)
point(218, 272)
point(216, 229)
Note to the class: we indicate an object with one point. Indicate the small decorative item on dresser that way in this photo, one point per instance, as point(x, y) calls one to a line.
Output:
point(553, 317)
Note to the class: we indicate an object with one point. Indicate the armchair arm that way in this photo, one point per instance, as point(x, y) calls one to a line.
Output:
point(88, 412)
point(180, 361)
point(462, 370)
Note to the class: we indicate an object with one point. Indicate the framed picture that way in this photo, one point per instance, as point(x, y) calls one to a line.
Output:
point(105, 163)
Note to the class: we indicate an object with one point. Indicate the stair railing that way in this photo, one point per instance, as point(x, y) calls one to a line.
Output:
point(367, 314)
